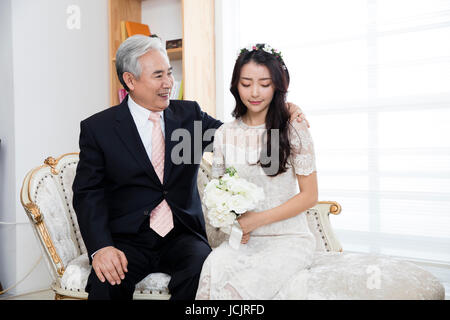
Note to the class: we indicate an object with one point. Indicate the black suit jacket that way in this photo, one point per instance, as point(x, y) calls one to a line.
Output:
point(116, 187)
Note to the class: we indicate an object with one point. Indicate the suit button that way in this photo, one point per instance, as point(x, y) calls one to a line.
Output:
point(165, 192)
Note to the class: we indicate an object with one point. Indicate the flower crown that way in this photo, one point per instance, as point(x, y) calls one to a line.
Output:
point(265, 47)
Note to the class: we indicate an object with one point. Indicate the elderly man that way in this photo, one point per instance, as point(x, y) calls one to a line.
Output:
point(138, 211)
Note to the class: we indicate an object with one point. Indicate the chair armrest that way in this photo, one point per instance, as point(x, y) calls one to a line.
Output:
point(320, 226)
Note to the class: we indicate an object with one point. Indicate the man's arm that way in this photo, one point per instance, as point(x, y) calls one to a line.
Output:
point(209, 126)
point(90, 206)
point(89, 194)
point(208, 122)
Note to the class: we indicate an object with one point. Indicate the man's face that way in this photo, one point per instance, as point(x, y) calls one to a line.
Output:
point(152, 89)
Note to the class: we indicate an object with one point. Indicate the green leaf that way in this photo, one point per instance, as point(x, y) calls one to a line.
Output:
point(231, 171)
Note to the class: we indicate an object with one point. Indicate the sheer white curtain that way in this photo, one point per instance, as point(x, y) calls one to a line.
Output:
point(373, 78)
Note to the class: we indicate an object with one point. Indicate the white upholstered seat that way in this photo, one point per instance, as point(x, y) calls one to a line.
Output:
point(47, 199)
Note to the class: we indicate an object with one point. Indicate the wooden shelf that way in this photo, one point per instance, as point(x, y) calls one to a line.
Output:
point(197, 54)
point(175, 53)
point(119, 10)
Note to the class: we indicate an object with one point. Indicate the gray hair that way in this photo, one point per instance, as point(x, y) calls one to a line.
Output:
point(131, 50)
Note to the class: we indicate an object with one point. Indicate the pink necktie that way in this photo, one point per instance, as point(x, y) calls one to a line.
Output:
point(161, 219)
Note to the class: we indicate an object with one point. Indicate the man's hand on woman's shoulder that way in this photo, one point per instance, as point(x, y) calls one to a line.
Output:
point(296, 113)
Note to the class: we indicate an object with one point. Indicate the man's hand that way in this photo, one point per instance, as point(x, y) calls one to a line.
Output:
point(110, 263)
point(296, 113)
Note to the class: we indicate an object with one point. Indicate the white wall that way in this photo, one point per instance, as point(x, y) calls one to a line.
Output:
point(7, 167)
point(60, 76)
point(227, 46)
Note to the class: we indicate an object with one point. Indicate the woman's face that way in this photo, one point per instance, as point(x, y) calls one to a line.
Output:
point(255, 87)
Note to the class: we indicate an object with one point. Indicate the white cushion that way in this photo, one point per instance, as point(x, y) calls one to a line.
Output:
point(77, 272)
point(333, 276)
point(359, 276)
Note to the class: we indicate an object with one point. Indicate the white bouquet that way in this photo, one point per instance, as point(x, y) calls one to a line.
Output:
point(228, 197)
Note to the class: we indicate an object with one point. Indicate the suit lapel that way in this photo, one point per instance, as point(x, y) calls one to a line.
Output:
point(170, 124)
point(127, 131)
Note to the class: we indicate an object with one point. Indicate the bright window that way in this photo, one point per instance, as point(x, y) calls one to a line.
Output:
point(373, 78)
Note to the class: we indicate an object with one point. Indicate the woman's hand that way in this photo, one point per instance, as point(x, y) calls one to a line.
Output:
point(245, 238)
point(250, 221)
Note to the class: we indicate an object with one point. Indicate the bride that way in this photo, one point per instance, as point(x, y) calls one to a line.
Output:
point(268, 150)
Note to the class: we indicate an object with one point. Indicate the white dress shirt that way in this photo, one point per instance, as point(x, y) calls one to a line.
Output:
point(144, 126)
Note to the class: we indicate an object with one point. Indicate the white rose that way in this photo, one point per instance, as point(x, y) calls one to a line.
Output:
point(219, 219)
point(211, 184)
point(240, 204)
point(215, 197)
point(232, 184)
point(241, 186)
point(227, 178)
point(227, 194)
point(246, 189)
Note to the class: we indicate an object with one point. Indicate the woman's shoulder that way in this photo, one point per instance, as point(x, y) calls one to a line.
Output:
point(297, 127)
point(234, 124)
point(299, 134)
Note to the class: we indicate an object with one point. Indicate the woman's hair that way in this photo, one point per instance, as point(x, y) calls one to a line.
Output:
point(129, 52)
point(278, 115)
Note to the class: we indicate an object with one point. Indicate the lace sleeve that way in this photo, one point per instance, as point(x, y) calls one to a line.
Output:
point(302, 153)
point(218, 161)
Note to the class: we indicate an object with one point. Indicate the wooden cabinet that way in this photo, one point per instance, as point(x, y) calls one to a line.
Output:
point(197, 54)
point(118, 10)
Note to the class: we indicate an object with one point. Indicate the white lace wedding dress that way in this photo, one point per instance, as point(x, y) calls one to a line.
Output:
point(274, 263)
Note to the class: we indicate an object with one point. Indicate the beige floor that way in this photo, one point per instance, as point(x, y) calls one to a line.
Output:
point(49, 295)
point(38, 295)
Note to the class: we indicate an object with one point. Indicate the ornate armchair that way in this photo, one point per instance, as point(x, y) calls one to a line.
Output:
point(46, 196)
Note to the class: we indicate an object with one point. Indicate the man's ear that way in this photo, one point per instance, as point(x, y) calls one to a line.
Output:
point(129, 80)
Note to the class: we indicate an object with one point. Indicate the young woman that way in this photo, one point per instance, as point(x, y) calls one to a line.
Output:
point(277, 155)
